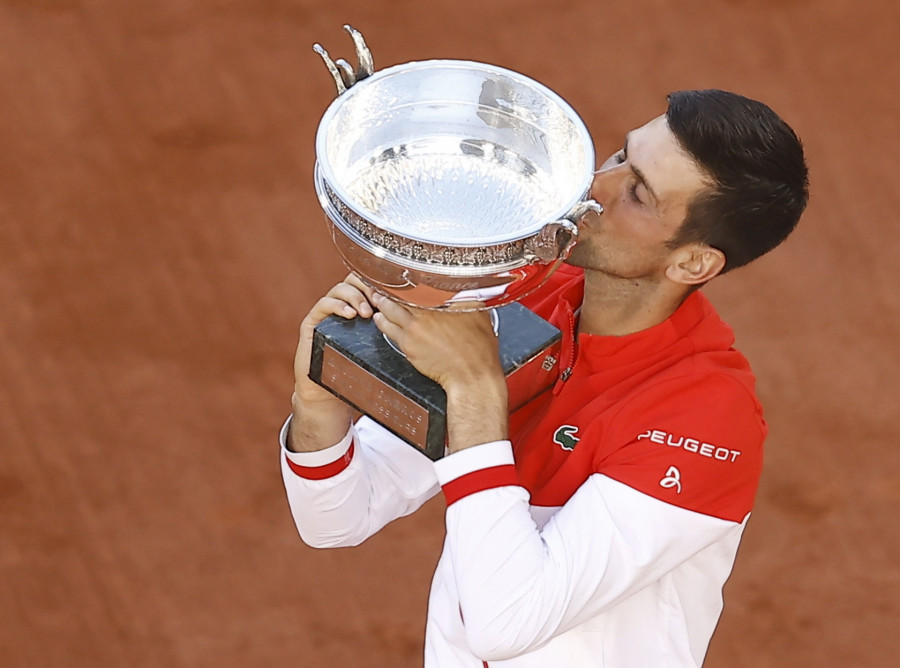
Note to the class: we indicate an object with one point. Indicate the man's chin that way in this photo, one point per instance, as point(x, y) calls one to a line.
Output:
point(576, 259)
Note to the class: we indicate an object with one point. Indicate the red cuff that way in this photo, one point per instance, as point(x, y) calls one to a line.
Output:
point(322, 472)
point(477, 481)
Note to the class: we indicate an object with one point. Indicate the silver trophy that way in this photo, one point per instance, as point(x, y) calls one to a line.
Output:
point(445, 182)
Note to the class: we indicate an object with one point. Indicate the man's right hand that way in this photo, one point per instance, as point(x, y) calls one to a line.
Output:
point(320, 419)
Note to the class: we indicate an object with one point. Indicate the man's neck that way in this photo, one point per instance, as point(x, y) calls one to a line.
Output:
point(614, 306)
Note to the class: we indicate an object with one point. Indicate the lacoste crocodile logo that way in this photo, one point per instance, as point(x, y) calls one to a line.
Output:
point(565, 437)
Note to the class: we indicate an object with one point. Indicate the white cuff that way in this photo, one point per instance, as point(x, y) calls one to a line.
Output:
point(485, 456)
point(317, 457)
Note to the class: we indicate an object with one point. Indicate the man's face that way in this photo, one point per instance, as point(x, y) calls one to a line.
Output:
point(645, 190)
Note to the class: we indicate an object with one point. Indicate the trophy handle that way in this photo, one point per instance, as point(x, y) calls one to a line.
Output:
point(344, 75)
point(584, 207)
point(556, 239)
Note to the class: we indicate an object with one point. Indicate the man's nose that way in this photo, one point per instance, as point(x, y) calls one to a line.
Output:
point(607, 183)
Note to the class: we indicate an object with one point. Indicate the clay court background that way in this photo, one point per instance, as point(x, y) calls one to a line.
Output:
point(160, 241)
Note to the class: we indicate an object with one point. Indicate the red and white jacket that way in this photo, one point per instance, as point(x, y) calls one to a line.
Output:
point(603, 532)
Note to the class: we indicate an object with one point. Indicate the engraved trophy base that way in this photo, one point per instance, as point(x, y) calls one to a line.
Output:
point(353, 361)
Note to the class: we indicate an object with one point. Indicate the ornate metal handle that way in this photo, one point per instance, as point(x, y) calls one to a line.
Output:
point(556, 239)
point(581, 209)
point(344, 75)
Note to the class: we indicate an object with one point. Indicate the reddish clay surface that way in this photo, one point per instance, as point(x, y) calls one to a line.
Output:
point(160, 241)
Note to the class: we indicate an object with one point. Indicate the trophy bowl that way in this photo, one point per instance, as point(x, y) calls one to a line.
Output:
point(450, 181)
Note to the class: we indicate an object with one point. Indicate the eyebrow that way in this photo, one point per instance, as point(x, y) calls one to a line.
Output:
point(639, 175)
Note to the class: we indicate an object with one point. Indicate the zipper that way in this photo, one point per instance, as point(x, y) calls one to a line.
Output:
point(569, 351)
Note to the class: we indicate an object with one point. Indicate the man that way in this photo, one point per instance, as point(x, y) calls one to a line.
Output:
point(595, 526)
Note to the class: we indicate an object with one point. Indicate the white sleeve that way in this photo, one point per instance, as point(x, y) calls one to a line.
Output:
point(342, 495)
point(519, 586)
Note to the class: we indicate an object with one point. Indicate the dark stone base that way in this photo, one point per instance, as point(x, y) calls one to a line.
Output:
point(352, 359)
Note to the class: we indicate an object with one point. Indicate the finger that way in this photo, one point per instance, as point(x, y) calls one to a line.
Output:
point(360, 284)
point(327, 306)
point(390, 329)
point(352, 297)
point(356, 281)
point(396, 313)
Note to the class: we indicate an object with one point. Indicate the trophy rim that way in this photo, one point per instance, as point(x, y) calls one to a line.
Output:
point(526, 231)
point(408, 252)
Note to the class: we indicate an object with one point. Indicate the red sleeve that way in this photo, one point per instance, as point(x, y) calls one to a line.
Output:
point(695, 442)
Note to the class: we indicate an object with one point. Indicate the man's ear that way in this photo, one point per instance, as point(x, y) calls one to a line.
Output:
point(695, 264)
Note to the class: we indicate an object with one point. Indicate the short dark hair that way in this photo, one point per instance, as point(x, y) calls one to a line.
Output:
point(759, 181)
